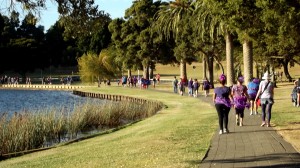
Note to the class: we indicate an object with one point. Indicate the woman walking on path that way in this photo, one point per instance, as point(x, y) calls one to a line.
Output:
point(206, 86)
point(222, 99)
point(266, 94)
point(240, 97)
point(253, 87)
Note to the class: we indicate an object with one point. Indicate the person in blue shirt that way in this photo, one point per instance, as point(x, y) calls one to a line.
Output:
point(253, 87)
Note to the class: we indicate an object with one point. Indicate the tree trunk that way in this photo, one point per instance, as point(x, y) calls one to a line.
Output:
point(210, 63)
point(146, 71)
point(285, 64)
point(204, 66)
point(129, 72)
point(248, 60)
point(183, 73)
point(273, 79)
point(229, 59)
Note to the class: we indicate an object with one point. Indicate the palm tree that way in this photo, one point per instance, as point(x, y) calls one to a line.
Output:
point(168, 21)
point(216, 26)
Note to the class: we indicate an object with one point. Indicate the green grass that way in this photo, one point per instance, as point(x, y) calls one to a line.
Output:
point(178, 136)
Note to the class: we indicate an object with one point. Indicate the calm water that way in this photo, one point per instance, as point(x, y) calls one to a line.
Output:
point(30, 100)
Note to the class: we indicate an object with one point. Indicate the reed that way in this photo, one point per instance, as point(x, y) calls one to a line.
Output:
point(43, 128)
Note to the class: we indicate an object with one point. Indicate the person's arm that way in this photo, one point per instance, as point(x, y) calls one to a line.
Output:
point(258, 92)
point(214, 97)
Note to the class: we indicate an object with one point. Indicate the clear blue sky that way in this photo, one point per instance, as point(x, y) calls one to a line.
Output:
point(115, 8)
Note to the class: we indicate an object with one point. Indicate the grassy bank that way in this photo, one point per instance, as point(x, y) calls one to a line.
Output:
point(178, 136)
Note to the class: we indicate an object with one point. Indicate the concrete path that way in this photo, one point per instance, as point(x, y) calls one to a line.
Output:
point(249, 146)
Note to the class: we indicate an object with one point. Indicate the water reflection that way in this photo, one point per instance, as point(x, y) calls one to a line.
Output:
point(31, 100)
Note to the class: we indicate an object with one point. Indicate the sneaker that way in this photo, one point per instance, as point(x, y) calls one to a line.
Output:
point(251, 113)
point(263, 124)
point(226, 131)
point(241, 124)
point(220, 132)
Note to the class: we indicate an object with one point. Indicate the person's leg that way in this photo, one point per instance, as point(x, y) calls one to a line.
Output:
point(241, 114)
point(263, 114)
point(226, 112)
point(251, 107)
point(237, 117)
point(268, 113)
point(255, 107)
point(220, 115)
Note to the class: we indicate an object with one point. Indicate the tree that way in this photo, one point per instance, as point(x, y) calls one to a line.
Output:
point(94, 67)
point(172, 21)
point(279, 42)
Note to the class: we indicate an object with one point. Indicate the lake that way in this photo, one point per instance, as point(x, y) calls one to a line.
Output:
point(31, 100)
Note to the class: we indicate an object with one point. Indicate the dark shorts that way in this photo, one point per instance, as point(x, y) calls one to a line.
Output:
point(240, 112)
point(252, 96)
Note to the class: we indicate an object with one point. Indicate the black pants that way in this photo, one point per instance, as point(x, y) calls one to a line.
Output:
point(223, 112)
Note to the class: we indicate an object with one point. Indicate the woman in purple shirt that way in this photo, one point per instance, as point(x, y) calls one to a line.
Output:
point(222, 99)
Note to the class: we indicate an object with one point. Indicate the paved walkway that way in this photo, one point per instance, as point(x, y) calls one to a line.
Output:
point(250, 146)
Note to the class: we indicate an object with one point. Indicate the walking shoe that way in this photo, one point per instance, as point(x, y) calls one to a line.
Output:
point(220, 132)
point(263, 124)
point(226, 131)
point(241, 124)
point(251, 113)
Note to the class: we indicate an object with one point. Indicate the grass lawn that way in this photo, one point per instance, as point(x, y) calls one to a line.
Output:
point(177, 136)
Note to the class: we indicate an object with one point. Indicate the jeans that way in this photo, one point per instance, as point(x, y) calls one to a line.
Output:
point(266, 109)
point(175, 89)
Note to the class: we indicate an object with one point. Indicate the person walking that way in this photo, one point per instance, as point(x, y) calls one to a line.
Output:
point(175, 85)
point(253, 87)
point(190, 87)
point(266, 94)
point(222, 99)
point(195, 87)
point(206, 86)
point(297, 84)
point(181, 86)
point(240, 97)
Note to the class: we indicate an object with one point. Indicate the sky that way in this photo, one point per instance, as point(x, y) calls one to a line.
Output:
point(115, 8)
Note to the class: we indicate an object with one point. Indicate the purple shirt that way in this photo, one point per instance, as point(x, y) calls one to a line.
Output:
point(222, 95)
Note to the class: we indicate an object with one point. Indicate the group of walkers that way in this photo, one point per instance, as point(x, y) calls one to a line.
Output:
point(240, 96)
point(133, 81)
point(192, 85)
point(9, 80)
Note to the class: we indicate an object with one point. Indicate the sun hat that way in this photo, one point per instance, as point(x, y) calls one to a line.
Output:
point(266, 76)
